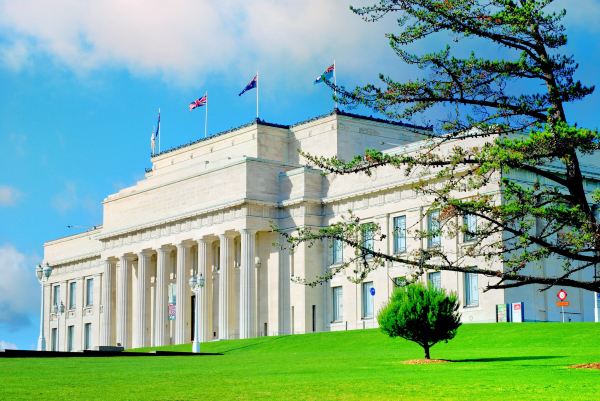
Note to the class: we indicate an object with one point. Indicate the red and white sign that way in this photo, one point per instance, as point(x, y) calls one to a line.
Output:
point(562, 295)
point(516, 312)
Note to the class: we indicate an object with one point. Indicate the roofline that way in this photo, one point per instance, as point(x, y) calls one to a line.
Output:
point(382, 120)
point(259, 121)
point(256, 121)
point(85, 233)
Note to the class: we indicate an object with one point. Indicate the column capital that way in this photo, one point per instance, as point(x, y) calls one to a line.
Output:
point(185, 244)
point(145, 252)
point(165, 248)
point(207, 239)
point(250, 231)
point(128, 257)
point(227, 234)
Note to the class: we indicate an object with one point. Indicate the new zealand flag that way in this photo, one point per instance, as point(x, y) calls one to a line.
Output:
point(250, 85)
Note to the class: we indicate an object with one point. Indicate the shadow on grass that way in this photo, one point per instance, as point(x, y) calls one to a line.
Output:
point(507, 358)
point(253, 344)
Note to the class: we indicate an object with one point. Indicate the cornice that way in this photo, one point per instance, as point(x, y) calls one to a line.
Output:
point(76, 259)
point(243, 160)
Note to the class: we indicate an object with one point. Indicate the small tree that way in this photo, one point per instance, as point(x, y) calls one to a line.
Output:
point(421, 314)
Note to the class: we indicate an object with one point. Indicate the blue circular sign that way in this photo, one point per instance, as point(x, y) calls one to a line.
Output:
point(372, 291)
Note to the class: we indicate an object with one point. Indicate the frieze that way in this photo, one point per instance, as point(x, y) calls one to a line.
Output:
point(73, 265)
point(187, 225)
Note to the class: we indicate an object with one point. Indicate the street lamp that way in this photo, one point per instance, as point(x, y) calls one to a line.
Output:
point(58, 310)
point(196, 284)
point(42, 275)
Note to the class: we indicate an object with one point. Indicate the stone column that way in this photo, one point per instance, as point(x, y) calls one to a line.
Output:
point(160, 322)
point(183, 254)
point(203, 295)
point(226, 246)
point(123, 299)
point(247, 285)
point(106, 330)
point(142, 293)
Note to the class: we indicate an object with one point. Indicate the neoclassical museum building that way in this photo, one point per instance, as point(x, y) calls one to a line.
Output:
point(209, 207)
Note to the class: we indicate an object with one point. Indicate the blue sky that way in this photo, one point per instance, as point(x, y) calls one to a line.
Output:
point(81, 84)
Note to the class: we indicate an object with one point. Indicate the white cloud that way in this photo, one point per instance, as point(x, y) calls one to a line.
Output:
point(15, 55)
point(9, 195)
point(19, 289)
point(187, 40)
point(67, 199)
point(6, 345)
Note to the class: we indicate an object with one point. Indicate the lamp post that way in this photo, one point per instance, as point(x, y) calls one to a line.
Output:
point(196, 284)
point(58, 310)
point(42, 275)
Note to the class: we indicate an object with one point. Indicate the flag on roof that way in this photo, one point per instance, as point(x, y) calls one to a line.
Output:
point(157, 132)
point(251, 85)
point(199, 102)
point(327, 75)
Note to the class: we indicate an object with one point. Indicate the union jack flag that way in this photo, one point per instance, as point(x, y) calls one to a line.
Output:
point(199, 102)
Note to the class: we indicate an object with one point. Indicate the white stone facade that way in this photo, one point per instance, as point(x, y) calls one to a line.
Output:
point(208, 207)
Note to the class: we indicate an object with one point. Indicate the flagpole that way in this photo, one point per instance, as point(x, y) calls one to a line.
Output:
point(159, 135)
point(257, 94)
point(206, 115)
point(153, 141)
point(334, 85)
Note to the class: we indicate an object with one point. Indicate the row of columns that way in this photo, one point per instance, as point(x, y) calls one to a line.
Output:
point(247, 298)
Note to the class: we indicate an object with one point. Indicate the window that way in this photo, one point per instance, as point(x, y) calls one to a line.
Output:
point(56, 295)
point(471, 290)
point(54, 340)
point(470, 227)
point(338, 307)
point(72, 293)
point(367, 300)
point(368, 234)
point(87, 336)
point(400, 282)
point(89, 292)
point(70, 334)
point(433, 229)
point(337, 251)
point(399, 234)
point(434, 279)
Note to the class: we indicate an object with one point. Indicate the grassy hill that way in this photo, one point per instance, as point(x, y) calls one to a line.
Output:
point(489, 361)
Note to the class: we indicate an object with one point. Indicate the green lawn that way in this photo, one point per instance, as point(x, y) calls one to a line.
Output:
point(491, 361)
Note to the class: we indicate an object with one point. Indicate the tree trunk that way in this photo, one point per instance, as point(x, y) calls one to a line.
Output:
point(426, 349)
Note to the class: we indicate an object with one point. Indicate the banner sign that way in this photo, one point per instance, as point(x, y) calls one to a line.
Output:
point(172, 300)
point(501, 313)
point(172, 311)
point(517, 312)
